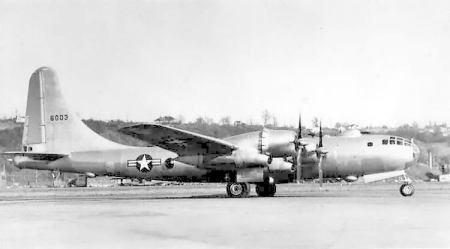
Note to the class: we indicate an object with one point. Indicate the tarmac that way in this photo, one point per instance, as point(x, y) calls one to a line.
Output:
point(201, 216)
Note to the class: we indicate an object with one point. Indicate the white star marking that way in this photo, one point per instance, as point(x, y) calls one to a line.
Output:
point(143, 164)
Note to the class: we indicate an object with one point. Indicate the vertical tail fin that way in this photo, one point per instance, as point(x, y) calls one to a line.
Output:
point(50, 126)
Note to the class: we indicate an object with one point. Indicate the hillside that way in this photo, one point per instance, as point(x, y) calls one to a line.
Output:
point(8, 124)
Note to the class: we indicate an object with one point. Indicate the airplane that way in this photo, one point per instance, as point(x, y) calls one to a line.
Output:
point(56, 139)
point(348, 156)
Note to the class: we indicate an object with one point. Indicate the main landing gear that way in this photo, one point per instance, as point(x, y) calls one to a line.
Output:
point(242, 190)
point(238, 189)
point(266, 189)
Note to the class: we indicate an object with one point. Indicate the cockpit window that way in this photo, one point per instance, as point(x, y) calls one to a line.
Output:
point(391, 141)
point(392, 137)
point(370, 144)
point(399, 142)
point(407, 144)
point(385, 141)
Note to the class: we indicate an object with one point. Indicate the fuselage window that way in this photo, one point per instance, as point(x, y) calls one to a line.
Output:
point(385, 141)
point(370, 144)
point(391, 141)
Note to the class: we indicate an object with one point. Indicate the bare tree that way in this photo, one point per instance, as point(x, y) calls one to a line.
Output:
point(225, 120)
point(200, 120)
point(181, 119)
point(265, 117)
point(274, 121)
point(315, 122)
point(208, 120)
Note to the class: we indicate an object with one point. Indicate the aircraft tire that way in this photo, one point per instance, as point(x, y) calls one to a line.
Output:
point(272, 189)
point(266, 190)
point(247, 189)
point(260, 190)
point(237, 190)
point(407, 189)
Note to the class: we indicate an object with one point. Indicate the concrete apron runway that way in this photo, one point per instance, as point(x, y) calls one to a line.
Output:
point(358, 216)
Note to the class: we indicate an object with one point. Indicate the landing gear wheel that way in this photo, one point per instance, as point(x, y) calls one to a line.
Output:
point(272, 189)
point(247, 189)
point(266, 190)
point(238, 190)
point(407, 189)
point(260, 190)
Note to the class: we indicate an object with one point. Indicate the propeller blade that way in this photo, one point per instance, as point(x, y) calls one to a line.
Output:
point(320, 134)
point(298, 149)
point(298, 161)
point(320, 171)
point(299, 131)
point(320, 153)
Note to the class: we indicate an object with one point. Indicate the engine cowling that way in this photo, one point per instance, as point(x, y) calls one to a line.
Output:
point(350, 178)
point(244, 158)
point(277, 143)
point(279, 165)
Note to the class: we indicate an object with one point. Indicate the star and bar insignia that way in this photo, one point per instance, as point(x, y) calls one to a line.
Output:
point(144, 163)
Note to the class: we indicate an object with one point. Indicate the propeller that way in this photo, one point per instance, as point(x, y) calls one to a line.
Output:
point(320, 154)
point(298, 149)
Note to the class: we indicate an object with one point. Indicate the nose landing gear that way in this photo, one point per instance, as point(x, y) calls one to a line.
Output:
point(407, 189)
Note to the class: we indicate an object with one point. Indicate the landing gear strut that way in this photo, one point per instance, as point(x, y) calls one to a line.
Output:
point(266, 189)
point(238, 189)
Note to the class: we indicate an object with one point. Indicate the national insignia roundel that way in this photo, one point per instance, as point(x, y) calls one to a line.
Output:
point(144, 163)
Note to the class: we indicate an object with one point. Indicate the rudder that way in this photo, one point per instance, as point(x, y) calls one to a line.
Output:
point(50, 126)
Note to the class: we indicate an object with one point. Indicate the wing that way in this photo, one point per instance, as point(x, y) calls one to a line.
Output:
point(182, 142)
point(35, 155)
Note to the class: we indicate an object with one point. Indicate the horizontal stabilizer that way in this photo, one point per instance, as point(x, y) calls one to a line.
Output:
point(35, 156)
point(382, 176)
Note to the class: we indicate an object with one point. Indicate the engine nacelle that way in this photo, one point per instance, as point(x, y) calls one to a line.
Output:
point(350, 178)
point(277, 143)
point(244, 158)
point(279, 165)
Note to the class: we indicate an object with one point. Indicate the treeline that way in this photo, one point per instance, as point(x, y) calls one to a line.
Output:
point(108, 129)
point(10, 138)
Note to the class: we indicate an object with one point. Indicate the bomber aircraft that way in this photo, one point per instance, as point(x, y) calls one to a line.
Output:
point(56, 139)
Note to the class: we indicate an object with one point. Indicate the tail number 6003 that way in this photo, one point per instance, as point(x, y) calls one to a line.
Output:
point(61, 117)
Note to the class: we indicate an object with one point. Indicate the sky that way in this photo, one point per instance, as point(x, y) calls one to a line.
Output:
point(370, 63)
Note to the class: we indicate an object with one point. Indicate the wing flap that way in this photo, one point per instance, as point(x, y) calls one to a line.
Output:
point(182, 142)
